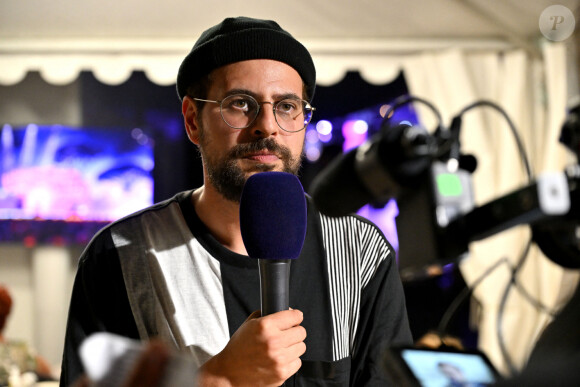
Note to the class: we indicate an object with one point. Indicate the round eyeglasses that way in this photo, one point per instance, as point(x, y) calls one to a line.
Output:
point(239, 111)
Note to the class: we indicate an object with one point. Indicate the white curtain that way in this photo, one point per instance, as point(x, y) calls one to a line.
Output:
point(533, 92)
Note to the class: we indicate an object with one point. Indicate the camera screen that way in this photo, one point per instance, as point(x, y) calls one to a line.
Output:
point(439, 369)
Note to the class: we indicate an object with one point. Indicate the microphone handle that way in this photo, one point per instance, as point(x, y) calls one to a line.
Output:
point(274, 285)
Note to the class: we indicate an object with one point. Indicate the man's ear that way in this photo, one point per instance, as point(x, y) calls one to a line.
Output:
point(190, 116)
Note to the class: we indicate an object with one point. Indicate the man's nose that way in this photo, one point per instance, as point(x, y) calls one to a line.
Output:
point(265, 124)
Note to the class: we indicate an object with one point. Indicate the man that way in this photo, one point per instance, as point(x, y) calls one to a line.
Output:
point(179, 271)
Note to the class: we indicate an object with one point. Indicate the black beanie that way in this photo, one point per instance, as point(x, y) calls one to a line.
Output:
point(243, 38)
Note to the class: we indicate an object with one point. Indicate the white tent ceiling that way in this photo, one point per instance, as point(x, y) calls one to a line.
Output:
point(113, 38)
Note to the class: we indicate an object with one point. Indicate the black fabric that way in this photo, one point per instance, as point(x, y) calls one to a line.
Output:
point(322, 373)
point(243, 38)
point(377, 328)
point(99, 303)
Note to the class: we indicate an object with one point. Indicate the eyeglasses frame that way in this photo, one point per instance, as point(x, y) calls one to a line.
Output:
point(274, 105)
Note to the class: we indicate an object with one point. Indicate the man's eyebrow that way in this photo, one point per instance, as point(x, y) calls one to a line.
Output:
point(240, 91)
point(277, 97)
point(280, 97)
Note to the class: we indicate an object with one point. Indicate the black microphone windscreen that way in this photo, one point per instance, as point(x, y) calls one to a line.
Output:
point(337, 189)
point(273, 216)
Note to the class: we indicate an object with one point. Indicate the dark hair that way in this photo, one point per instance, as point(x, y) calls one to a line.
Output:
point(199, 89)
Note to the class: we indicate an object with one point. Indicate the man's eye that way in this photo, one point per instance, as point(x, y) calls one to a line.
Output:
point(240, 104)
point(287, 107)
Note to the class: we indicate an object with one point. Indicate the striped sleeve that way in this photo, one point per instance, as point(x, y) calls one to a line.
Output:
point(354, 250)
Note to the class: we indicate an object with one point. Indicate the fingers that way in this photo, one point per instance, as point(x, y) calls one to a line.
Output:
point(150, 366)
point(263, 351)
point(288, 362)
point(293, 367)
point(280, 330)
point(296, 350)
point(285, 319)
point(292, 336)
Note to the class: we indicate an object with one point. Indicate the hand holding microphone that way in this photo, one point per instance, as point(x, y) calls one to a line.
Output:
point(266, 349)
point(273, 226)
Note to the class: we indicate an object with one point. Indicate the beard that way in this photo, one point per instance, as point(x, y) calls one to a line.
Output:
point(229, 179)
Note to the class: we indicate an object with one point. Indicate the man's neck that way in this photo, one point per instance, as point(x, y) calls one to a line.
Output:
point(220, 216)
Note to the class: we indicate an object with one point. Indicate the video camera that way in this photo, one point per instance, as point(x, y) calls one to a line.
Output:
point(430, 178)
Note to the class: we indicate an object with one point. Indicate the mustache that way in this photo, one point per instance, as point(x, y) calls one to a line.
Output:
point(268, 144)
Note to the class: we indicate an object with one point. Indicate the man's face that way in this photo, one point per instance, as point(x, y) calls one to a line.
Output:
point(230, 155)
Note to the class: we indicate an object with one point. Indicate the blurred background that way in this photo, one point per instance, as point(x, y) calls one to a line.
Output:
point(92, 131)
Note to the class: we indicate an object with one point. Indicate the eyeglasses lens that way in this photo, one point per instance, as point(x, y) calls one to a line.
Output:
point(240, 110)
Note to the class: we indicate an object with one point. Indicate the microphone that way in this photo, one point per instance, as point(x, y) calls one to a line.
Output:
point(273, 226)
point(394, 159)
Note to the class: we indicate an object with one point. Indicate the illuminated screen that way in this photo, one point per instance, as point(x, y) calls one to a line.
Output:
point(442, 369)
point(74, 174)
point(449, 184)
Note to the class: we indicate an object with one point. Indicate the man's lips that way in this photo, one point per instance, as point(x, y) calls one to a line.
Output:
point(262, 157)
